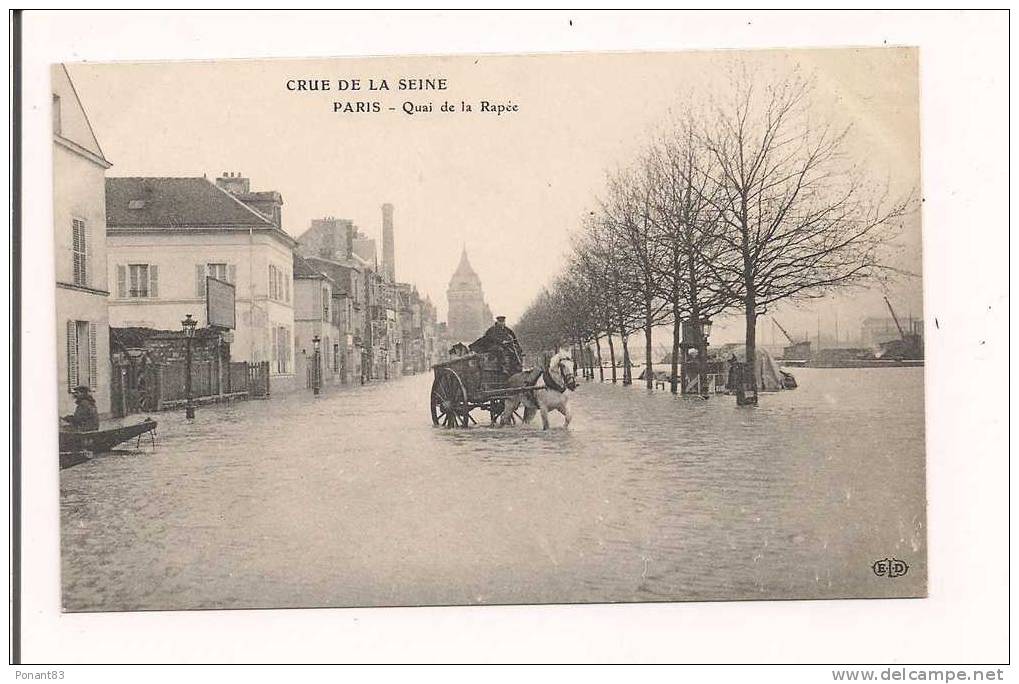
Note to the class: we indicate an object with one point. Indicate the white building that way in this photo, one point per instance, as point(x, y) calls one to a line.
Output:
point(79, 222)
point(165, 235)
point(316, 314)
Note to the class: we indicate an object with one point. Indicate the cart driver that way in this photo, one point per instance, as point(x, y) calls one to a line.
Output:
point(501, 339)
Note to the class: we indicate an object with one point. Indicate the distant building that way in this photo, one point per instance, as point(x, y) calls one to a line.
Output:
point(384, 327)
point(79, 238)
point(166, 235)
point(469, 315)
point(877, 330)
point(316, 314)
point(330, 245)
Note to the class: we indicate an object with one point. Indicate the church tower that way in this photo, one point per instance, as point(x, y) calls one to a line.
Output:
point(469, 315)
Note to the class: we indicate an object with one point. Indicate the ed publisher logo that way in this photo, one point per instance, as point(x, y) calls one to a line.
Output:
point(890, 567)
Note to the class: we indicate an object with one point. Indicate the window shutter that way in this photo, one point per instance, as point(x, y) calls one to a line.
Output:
point(231, 274)
point(72, 355)
point(121, 281)
point(76, 250)
point(272, 283)
point(286, 285)
point(86, 256)
point(153, 280)
point(93, 365)
point(200, 281)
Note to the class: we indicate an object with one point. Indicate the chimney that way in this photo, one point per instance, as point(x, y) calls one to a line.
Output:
point(234, 183)
point(388, 243)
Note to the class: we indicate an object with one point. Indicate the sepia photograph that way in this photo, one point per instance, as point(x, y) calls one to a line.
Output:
point(490, 329)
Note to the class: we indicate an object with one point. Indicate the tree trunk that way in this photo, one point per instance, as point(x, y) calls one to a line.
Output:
point(580, 353)
point(751, 338)
point(695, 317)
point(649, 373)
point(612, 356)
point(677, 327)
point(597, 348)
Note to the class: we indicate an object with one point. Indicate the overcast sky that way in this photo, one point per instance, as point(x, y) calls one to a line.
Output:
point(508, 187)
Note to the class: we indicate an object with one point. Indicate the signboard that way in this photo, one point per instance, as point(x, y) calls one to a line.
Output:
point(220, 303)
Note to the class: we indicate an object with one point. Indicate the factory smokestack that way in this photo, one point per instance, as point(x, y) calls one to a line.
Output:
point(388, 243)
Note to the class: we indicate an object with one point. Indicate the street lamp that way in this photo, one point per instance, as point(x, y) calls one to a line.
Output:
point(188, 326)
point(702, 354)
point(316, 376)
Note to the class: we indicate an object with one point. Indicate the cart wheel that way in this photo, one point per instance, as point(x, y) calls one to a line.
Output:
point(449, 401)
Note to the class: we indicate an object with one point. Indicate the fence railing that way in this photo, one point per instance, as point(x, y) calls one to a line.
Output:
point(161, 386)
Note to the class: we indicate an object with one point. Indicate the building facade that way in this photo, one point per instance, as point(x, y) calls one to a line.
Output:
point(79, 239)
point(469, 315)
point(384, 327)
point(316, 315)
point(166, 235)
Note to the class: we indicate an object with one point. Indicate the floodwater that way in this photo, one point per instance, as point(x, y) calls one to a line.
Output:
point(355, 499)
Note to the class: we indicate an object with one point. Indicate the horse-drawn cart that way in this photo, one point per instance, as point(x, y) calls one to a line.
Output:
point(468, 382)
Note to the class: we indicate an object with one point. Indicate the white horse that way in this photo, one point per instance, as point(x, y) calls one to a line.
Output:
point(554, 382)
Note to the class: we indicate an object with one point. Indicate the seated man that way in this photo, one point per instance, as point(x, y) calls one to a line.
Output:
point(501, 340)
point(85, 417)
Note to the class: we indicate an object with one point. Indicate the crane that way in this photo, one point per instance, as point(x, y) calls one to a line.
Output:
point(784, 331)
point(895, 318)
point(908, 346)
point(796, 351)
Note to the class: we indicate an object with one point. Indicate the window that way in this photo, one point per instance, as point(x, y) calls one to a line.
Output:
point(275, 283)
point(281, 348)
point(279, 284)
point(57, 128)
point(79, 250)
point(137, 281)
point(219, 271)
point(81, 354)
point(325, 303)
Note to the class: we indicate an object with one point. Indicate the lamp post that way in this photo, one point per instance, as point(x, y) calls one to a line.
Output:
point(316, 375)
point(188, 326)
point(702, 354)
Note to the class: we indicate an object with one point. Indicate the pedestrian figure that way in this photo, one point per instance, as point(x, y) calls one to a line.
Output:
point(734, 379)
point(85, 417)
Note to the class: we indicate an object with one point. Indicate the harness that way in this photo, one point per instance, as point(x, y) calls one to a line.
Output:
point(550, 381)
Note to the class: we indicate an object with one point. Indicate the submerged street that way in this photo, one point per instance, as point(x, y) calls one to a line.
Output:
point(355, 499)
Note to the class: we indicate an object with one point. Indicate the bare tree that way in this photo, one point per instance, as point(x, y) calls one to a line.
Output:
point(795, 220)
point(628, 212)
point(686, 226)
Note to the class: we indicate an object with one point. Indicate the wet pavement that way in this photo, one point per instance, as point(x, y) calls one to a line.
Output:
point(355, 499)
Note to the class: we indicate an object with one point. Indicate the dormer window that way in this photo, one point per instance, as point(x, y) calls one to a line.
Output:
point(136, 204)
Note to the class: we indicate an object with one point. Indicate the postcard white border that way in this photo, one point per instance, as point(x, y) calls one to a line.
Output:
point(964, 85)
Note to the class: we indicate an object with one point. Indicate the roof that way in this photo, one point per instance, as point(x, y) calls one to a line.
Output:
point(176, 203)
point(337, 272)
point(464, 268)
point(260, 196)
point(303, 269)
point(75, 126)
